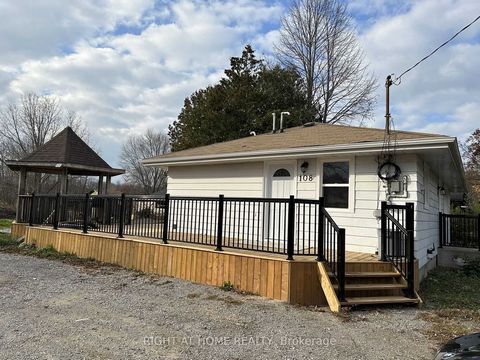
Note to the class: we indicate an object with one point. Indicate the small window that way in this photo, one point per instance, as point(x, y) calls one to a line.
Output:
point(281, 173)
point(335, 184)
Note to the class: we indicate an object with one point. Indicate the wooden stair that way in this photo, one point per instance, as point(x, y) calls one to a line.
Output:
point(369, 283)
point(378, 300)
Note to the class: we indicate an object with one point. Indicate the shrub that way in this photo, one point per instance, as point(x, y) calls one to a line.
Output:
point(227, 286)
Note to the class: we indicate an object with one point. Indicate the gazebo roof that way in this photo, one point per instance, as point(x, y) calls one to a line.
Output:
point(65, 152)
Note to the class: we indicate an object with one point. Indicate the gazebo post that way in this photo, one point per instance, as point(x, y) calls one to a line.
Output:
point(100, 185)
point(22, 182)
point(63, 179)
point(107, 184)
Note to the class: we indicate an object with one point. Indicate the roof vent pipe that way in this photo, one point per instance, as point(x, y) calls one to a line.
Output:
point(273, 128)
point(281, 119)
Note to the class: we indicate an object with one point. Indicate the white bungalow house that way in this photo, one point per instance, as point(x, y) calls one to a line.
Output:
point(338, 163)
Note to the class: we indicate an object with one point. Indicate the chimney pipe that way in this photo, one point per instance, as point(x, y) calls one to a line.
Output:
point(281, 119)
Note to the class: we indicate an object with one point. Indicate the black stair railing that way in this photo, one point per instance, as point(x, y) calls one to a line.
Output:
point(331, 247)
point(397, 241)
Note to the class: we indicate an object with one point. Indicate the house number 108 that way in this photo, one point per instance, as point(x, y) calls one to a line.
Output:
point(305, 178)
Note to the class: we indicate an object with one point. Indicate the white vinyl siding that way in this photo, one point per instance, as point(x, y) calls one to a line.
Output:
point(234, 180)
point(430, 203)
point(366, 192)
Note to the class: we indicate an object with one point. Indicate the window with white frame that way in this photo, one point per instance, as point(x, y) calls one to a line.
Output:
point(335, 184)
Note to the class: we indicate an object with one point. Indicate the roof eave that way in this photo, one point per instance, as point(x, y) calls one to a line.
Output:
point(457, 158)
point(364, 147)
point(18, 164)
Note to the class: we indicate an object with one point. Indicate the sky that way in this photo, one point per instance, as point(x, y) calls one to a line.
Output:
point(127, 65)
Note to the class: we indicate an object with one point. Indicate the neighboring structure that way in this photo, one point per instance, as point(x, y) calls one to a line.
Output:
point(339, 163)
point(65, 154)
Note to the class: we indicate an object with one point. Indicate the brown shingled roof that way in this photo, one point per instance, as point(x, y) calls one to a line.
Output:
point(65, 150)
point(296, 137)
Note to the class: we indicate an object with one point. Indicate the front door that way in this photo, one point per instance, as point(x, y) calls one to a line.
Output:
point(281, 186)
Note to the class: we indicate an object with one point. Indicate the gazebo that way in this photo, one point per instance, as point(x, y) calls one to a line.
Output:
point(65, 154)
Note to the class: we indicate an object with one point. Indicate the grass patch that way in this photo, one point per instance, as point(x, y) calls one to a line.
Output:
point(11, 245)
point(5, 223)
point(7, 242)
point(452, 303)
point(451, 289)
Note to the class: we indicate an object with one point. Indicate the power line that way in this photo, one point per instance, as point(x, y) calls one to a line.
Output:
point(438, 48)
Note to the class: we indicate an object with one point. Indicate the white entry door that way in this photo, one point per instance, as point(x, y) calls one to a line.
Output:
point(281, 186)
point(281, 181)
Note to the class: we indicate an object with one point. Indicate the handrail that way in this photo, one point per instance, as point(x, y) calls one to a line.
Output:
point(399, 250)
point(330, 219)
point(396, 223)
point(331, 247)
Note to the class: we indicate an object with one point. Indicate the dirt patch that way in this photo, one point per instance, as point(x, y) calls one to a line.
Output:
point(450, 323)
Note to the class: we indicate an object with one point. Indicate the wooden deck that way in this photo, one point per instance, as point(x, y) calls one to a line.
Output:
point(301, 281)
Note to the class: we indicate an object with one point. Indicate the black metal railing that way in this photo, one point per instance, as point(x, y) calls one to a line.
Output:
point(331, 247)
point(283, 226)
point(459, 230)
point(192, 220)
point(397, 240)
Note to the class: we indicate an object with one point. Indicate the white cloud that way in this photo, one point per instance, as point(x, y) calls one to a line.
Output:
point(440, 94)
point(130, 64)
point(127, 65)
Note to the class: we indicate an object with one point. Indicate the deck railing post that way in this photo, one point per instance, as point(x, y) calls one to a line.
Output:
point(85, 213)
point(383, 231)
point(55, 211)
point(290, 227)
point(440, 229)
point(165, 218)
point(341, 264)
point(410, 249)
point(30, 216)
point(220, 223)
point(122, 216)
point(321, 230)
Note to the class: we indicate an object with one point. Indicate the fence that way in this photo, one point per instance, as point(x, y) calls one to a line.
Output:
point(397, 240)
point(459, 230)
point(282, 226)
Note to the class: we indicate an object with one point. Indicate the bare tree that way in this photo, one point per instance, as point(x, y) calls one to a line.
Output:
point(26, 126)
point(318, 40)
point(30, 124)
point(139, 147)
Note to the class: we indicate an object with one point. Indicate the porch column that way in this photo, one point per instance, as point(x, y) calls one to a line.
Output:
point(22, 181)
point(107, 184)
point(63, 179)
point(100, 185)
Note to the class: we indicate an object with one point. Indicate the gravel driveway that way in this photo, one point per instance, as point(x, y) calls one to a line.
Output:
point(51, 310)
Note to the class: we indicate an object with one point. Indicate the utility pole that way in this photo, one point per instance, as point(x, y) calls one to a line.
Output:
point(388, 83)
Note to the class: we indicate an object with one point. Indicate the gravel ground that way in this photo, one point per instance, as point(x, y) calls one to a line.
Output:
point(52, 310)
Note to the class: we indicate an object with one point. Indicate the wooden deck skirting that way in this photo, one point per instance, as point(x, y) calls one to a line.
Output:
point(295, 282)
point(302, 281)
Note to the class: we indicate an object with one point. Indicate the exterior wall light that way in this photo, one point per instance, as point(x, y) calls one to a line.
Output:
point(304, 167)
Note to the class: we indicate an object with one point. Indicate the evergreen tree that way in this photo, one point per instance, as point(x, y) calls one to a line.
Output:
point(243, 101)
